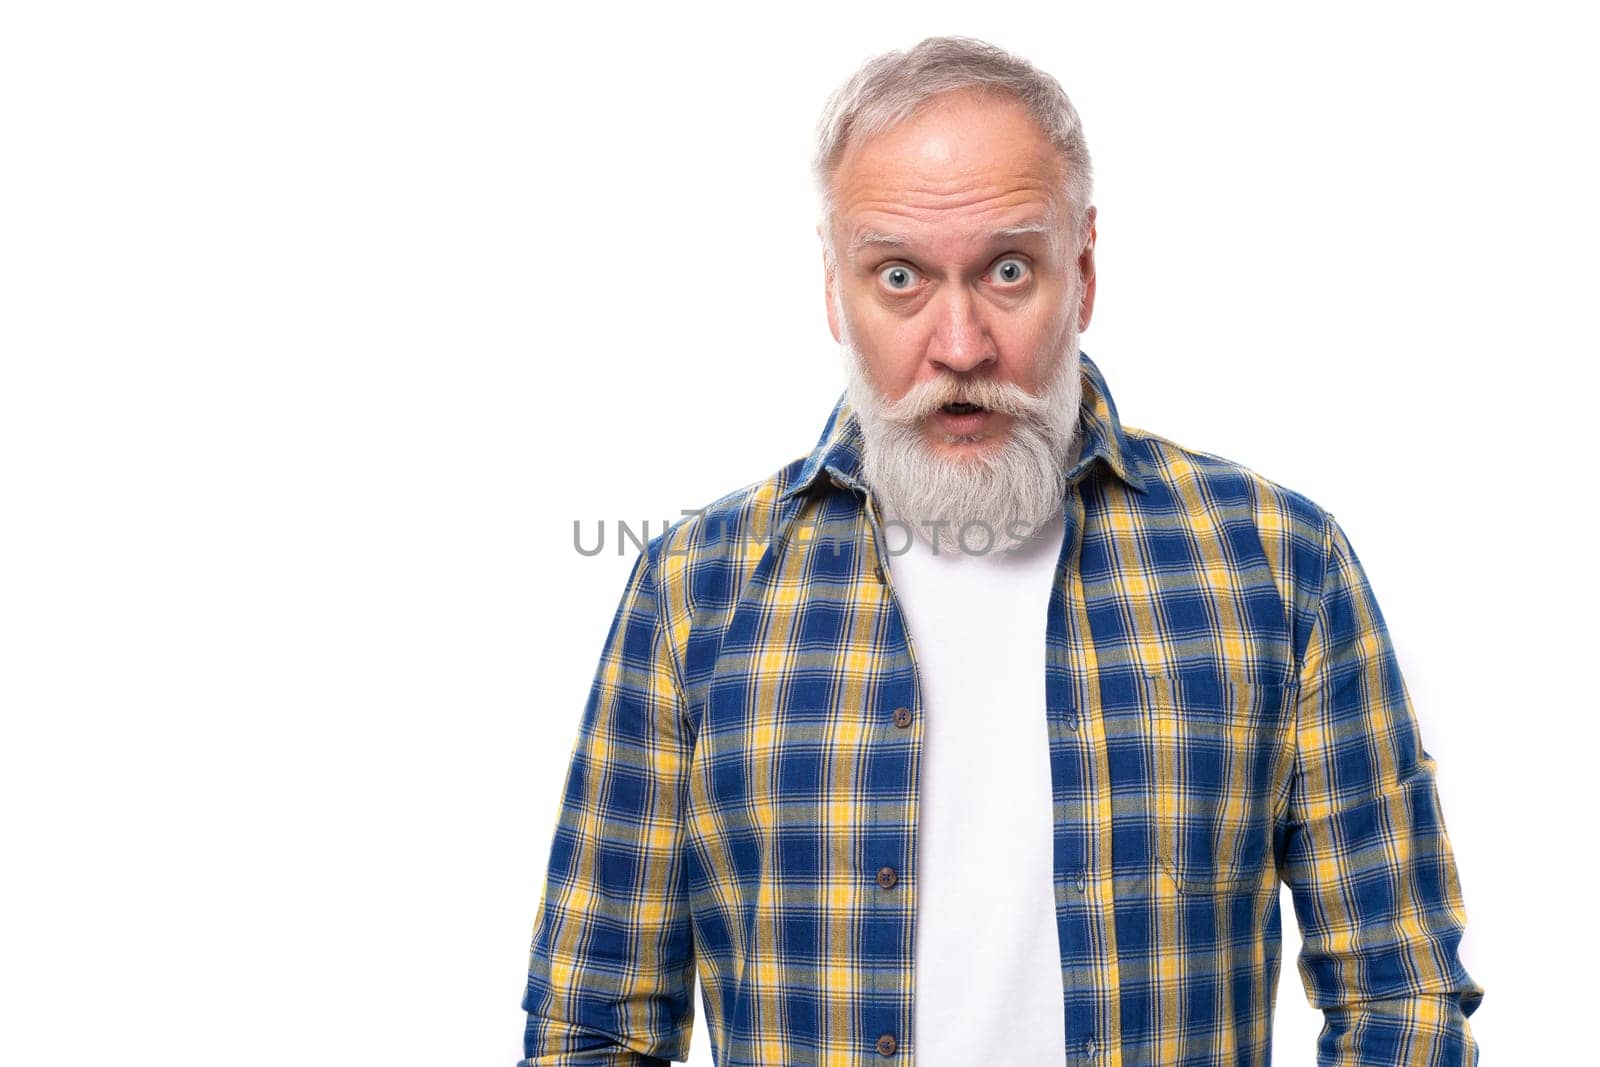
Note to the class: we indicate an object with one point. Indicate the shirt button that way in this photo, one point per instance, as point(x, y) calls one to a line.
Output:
point(1072, 722)
point(1081, 882)
point(877, 571)
point(902, 716)
point(886, 1045)
point(1088, 1047)
point(887, 877)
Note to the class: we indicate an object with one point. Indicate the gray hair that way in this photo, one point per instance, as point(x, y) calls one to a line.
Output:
point(890, 88)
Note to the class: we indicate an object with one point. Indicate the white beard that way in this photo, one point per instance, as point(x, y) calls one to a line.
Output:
point(1003, 491)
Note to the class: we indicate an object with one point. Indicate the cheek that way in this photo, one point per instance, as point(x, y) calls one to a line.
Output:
point(892, 374)
point(1055, 331)
point(1031, 353)
point(891, 351)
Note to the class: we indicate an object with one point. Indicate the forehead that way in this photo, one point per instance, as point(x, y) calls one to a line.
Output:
point(963, 171)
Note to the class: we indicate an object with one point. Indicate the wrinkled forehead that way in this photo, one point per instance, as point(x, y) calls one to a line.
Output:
point(924, 239)
point(957, 179)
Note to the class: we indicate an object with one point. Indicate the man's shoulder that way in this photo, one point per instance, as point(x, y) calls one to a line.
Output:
point(1183, 476)
point(702, 560)
point(735, 517)
point(1252, 516)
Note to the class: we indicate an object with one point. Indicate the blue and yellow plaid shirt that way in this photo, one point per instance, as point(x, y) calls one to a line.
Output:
point(1225, 710)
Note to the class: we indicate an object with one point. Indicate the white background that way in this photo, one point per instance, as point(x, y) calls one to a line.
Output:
point(323, 322)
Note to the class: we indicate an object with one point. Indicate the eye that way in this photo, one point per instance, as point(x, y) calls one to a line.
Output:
point(1011, 270)
point(897, 276)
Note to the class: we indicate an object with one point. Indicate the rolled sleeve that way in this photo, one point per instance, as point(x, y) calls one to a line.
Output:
point(612, 965)
point(1364, 848)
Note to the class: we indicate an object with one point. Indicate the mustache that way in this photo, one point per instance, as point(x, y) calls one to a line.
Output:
point(927, 397)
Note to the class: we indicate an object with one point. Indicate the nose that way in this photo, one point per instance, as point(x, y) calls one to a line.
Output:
point(960, 341)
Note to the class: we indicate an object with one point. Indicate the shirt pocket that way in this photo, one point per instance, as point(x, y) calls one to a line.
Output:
point(1214, 745)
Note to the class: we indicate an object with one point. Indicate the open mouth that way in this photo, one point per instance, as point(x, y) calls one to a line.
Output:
point(961, 408)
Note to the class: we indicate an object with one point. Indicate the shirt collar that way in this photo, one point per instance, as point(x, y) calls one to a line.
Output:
point(838, 449)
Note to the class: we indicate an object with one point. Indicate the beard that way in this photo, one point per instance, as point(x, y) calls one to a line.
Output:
point(992, 498)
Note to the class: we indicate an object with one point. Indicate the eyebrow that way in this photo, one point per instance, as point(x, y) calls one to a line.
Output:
point(868, 238)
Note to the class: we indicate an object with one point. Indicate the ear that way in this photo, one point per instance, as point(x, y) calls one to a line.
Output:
point(829, 281)
point(1086, 273)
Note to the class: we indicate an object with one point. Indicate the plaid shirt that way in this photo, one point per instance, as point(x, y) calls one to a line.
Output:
point(1225, 710)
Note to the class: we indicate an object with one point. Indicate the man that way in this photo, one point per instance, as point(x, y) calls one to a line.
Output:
point(985, 732)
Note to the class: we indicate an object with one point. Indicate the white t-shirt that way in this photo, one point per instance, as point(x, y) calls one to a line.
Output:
point(987, 954)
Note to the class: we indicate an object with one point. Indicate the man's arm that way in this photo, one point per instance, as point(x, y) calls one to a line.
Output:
point(612, 966)
point(1362, 846)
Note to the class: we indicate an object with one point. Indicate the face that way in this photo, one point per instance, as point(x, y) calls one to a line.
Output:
point(960, 279)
